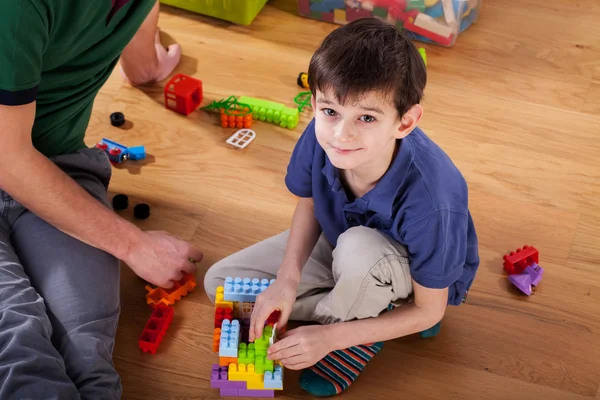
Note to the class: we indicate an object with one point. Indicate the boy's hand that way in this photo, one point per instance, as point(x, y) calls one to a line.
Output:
point(302, 347)
point(281, 295)
point(160, 258)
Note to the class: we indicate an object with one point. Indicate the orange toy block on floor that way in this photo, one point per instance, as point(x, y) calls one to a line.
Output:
point(236, 118)
point(183, 94)
point(167, 297)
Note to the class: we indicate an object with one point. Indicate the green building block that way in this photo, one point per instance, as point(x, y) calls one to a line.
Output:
point(263, 364)
point(415, 5)
point(272, 112)
point(246, 354)
point(316, 14)
point(380, 12)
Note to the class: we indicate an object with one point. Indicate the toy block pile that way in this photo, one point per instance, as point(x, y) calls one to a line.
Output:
point(243, 369)
point(429, 21)
point(161, 301)
point(523, 269)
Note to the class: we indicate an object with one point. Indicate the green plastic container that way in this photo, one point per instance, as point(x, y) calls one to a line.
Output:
point(240, 12)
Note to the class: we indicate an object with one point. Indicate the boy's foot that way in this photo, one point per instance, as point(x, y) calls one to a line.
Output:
point(431, 332)
point(336, 372)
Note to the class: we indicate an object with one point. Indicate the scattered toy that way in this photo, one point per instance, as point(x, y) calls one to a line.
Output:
point(141, 211)
point(120, 202)
point(523, 269)
point(117, 119)
point(303, 80)
point(118, 153)
point(242, 138)
point(183, 94)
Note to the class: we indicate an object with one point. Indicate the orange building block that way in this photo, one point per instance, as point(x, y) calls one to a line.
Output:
point(226, 361)
point(170, 296)
point(236, 118)
point(216, 340)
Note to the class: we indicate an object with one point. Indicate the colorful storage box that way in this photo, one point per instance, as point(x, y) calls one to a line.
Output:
point(240, 12)
point(431, 21)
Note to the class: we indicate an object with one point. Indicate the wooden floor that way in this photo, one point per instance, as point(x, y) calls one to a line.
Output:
point(516, 104)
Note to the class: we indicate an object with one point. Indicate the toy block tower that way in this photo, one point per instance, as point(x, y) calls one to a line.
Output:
point(183, 94)
point(243, 369)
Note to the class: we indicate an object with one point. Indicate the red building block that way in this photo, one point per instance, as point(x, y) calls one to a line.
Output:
point(273, 318)
point(156, 328)
point(183, 94)
point(304, 7)
point(221, 314)
point(517, 261)
point(356, 13)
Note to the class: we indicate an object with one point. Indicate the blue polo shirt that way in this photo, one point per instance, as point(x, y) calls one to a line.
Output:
point(421, 201)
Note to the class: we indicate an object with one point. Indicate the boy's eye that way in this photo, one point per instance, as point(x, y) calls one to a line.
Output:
point(367, 118)
point(329, 112)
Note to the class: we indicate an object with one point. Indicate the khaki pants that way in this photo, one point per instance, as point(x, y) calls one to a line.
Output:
point(357, 279)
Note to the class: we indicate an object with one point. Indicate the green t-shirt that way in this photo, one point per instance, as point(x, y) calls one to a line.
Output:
point(59, 53)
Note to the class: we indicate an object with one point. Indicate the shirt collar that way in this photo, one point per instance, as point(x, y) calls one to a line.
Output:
point(381, 198)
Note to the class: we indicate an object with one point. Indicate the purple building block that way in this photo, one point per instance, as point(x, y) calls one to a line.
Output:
point(237, 384)
point(230, 393)
point(531, 276)
point(218, 379)
point(256, 393)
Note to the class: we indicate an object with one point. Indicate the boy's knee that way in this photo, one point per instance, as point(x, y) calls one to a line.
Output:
point(365, 245)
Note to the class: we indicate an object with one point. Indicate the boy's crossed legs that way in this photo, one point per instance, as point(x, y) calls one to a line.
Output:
point(358, 279)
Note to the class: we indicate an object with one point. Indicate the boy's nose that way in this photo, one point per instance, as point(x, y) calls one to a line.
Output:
point(344, 132)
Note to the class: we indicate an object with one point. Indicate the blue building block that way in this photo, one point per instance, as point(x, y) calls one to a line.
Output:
point(274, 380)
point(123, 154)
point(137, 153)
point(230, 338)
point(246, 289)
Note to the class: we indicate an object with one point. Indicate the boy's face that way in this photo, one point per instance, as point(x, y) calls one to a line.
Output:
point(359, 133)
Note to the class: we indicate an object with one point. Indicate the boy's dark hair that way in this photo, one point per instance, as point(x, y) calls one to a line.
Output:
point(365, 55)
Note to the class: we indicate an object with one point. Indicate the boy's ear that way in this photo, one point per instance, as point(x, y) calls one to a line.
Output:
point(409, 121)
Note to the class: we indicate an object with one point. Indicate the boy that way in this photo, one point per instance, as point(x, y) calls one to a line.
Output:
point(382, 218)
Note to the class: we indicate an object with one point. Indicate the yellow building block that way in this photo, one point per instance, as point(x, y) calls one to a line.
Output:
point(430, 3)
point(220, 299)
point(242, 372)
point(339, 16)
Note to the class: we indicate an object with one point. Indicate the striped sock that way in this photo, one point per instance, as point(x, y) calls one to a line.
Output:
point(336, 372)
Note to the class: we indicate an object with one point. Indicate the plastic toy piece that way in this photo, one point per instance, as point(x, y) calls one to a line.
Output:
point(117, 119)
point(220, 299)
point(531, 276)
point(241, 372)
point(246, 289)
point(274, 380)
point(118, 153)
point(216, 340)
point(428, 27)
point(261, 344)
point(272, 112)
point(218, 379)
point(303, 80)
point(141, 211)
point(242, 138)
point(120, 202)
point(183, 94)
point(225, 361)
point(156, 296)
point(303, 100)
point(156, 328)
point(273, 318)
point(517, 261)
point(256, 393)
point(230, 338)
point(236, 118)
point(423, 55)
point(221, 314)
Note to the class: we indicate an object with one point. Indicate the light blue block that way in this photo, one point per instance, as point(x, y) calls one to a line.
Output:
point(246, 289)
point(274, 380)
point(435, 11)
point(230, 338)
